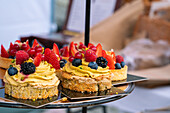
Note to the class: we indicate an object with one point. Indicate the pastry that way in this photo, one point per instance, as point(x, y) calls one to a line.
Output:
point(36, 78)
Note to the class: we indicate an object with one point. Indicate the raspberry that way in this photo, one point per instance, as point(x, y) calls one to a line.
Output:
point(119, 59)
point(21, 56)
point(90, 56)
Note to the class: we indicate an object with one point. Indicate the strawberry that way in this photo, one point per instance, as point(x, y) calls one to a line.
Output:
point(72, 49)
point(4, 53)
point(119, 59)
point(47, 54)
point(111, 62)
point(35, 43)
point(28, 46)
point(11, 46)
point(62, 50)
point(99, 50)
point(90, 56)
point(18, 41)
point(54, 60)
point(104, 53)
point(112, 54)
point(37, 60)
point(21, 56)
point(90, 44)
point(76, 46)
point(55, 49)
point(65, 52)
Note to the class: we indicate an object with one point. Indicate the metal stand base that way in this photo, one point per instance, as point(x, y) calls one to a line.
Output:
point(84, 110)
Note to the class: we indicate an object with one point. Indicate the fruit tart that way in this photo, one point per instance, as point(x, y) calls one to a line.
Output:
point(91, 68)
point(85, 71)
point(29, 78)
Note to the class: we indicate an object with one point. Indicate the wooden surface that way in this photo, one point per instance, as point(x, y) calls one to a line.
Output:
point(158, 76)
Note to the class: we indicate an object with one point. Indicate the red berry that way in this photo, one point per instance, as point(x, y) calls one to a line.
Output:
point(99, 50)
point(111, 62)
point(37, 53)
point(21, 56)
point(42, 57)
point(47, 54)
point(78, 55)
point(55, 49)
point(71, 58)
point(12, 52)
point(24, 46)
point(11, 46)
point(119, 59)
point(82, 46)
point(54, 61)
point(16, 46)
point(61, 58)
point(90, 56)
point(31, 52)
point(92, 47)
point(37, 59)
point(38, 49)
point(4, 53)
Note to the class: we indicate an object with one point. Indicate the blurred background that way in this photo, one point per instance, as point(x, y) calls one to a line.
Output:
point(137, 29)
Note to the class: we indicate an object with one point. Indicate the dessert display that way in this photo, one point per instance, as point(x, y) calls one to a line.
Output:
point(32, 74)
point(90, 69)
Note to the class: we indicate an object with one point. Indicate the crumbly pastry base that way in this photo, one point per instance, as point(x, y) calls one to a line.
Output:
point(85, 84)
point(29, 92)
point(120, 74)
point(5, 62)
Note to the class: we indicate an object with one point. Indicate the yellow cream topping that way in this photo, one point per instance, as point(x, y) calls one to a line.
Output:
point(85, 71)
point(42, 77)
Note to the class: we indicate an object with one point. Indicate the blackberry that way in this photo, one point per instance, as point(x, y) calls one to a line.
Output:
point(102, 62)
point(12, 71)
point(77, 62)
point(27, 68)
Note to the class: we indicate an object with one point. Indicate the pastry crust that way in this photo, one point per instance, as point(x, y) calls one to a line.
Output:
point(85, 84)
point(120, 74)
point(29, 92)
point(5, 62)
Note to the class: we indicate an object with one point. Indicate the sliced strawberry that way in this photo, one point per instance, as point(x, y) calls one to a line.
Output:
point(18, 41)
point(90, 44)
point(99, 50)
point(4, 53)
point(35, 43)
point(47, 54)
point(112, 54)
point(55, 49)
point(37, 60)
point(62, 50)
point(72, 49)
point(81, 43)
point(11, 46)
point(76, 46)
point(21, 56)
point(111, 62)
point(65, 52)
point(54, 60)
point(28, 46)
point(104, 53)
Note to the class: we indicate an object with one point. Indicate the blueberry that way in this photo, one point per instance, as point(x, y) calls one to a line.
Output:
point(117, 66)
point(93, 65)
point(65, 61)
point(122, 64)
point(77, 62)
point(11, 57)
point(12, 71)
point(62, 64)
